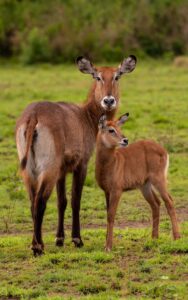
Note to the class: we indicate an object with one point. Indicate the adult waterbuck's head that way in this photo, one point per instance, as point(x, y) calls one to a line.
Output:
point(106, 89)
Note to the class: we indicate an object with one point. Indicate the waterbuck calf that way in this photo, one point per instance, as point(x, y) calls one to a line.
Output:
point(142, 165)
point(56, 138)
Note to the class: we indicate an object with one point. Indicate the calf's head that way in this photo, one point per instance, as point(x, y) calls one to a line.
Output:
point(110, 133)
point(106, 86)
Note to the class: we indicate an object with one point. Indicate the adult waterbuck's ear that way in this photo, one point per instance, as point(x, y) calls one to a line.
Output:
point(85, 66)
point(102, 122)
point(122, 119)
point(127, 66)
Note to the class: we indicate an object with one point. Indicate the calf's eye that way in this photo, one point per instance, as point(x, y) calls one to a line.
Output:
point(111, 130)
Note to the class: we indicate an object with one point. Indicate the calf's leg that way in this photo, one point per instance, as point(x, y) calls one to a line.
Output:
point(160, 185)
point(113, 203)
point(154, 203)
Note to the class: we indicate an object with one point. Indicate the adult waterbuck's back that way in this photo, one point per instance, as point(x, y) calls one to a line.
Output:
point(56, 138)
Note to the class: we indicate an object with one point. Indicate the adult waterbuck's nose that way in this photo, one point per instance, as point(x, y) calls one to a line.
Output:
point(108, 102)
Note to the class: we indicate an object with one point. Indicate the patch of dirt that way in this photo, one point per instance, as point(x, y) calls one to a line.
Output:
point(120, 225)
point(182, 214)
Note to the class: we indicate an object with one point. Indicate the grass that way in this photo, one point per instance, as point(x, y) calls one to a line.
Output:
point(155, 95)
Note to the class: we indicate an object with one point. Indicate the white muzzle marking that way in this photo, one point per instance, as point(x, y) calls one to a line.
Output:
point(109, 103)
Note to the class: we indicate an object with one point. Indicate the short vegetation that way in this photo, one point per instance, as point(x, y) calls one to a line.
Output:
point(138, 267)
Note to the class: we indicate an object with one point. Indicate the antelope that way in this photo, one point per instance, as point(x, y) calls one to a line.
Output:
point(142, 165)
point(54, 139)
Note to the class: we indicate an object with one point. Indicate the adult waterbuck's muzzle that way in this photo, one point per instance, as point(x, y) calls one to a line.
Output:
point(108, 103)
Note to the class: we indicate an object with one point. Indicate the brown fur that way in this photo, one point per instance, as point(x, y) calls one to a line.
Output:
point(56, 138)
point(141, 165)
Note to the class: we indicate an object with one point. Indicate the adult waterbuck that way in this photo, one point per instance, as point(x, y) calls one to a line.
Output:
point(56, 138)
point(142, 165)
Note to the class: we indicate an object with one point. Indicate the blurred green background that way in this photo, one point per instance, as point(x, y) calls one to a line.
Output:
point(59, 30)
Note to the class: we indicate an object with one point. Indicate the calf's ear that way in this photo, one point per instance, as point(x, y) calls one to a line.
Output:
point(122, 119)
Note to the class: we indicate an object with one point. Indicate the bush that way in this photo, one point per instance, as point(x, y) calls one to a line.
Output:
point(36, 49)
point(60, 30)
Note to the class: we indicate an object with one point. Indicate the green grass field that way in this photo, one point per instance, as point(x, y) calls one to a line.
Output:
point(155, 95)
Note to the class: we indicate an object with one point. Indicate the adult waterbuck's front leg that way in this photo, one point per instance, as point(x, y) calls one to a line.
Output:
point(77, 187)
point(61, 204)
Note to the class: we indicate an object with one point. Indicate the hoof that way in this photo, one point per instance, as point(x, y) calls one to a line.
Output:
point(108, 249)
point(177, 236)
point(77, 242)
point(59, 241)
point(38, 250)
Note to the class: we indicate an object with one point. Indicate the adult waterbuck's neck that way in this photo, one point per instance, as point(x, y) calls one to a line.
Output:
point(104, 93)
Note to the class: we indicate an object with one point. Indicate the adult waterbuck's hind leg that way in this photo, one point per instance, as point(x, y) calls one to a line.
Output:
point(38, 209)
point(154, 203)
point(62, 204)
point(46, 165)
point(32, 194)
point(77, 187)
point(107, 197)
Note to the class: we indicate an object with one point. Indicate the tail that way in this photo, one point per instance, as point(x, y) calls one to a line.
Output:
point(167, 166)
point(29, 139)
